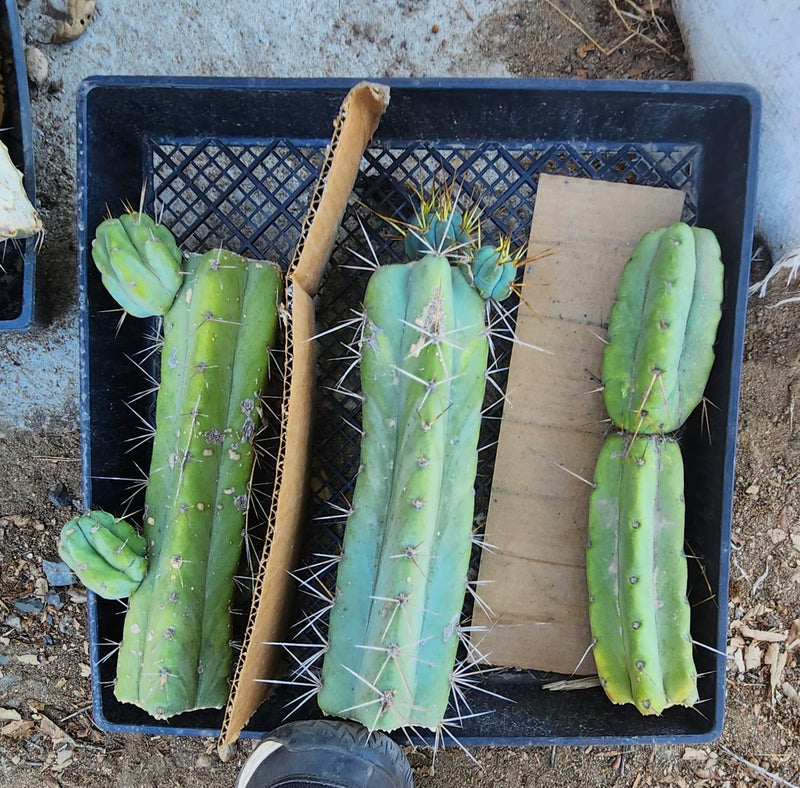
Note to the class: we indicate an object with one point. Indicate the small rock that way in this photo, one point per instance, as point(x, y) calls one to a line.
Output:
point(60, 496)
point(29, 604)
point(8, 680)
point(204, 761)
point(776, 535)
point(13, 621)
point(37, 66)
point(753, 491)
point(58, 573)
point(54, 599)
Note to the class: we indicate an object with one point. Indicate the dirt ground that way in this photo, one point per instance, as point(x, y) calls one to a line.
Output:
point(48, 737)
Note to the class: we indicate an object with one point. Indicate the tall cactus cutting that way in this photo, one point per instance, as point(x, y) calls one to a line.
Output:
point(220, 321)
point(655, 368)
point(402, 578)
point(175, 653)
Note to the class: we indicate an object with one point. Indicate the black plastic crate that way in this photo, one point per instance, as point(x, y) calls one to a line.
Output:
point(234, 162)
point(17, 257)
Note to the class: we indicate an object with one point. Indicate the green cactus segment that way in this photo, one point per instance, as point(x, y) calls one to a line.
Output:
point(107, 555)
point(175, 653)
point(636, 574)
point(402, 578)
point(139, 262)
point(493, 271)
point(439, 227)
point(662, 330)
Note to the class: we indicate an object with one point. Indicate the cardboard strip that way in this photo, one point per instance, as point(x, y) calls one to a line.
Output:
point(554, 422)
point(272, 597)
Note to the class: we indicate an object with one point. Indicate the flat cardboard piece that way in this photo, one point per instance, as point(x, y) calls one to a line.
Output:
point(533, 575)
point(272, 597)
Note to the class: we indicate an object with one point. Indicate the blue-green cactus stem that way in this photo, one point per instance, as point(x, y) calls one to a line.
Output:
point(402, 578)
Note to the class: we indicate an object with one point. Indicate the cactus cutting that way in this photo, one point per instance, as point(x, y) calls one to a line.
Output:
point(636, 573)
point(662, 330)
point(655, 369)
point(220, 321)
point(175, 653)
point(395, 623)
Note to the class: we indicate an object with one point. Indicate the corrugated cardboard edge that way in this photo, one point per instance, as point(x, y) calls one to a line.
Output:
point(272, 597)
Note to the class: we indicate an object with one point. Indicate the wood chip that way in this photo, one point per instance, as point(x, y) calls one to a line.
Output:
point(17, 729)
point(752, 657)
point(692, 754)
point(793, 639)
point(775, 658)
point(52, 731)
point(759, 635)
point(9, 715)
point(738, 661)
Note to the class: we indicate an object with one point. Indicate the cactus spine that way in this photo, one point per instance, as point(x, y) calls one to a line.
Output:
point(175, 654)
point(655, 369)
point(394, 625)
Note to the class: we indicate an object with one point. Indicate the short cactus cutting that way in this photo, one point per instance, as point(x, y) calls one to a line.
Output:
point(655, 368)
point(401, 582)
point(175, 654)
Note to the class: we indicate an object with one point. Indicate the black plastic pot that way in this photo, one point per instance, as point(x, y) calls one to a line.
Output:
point(18, 257)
